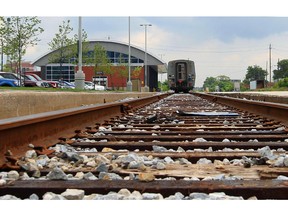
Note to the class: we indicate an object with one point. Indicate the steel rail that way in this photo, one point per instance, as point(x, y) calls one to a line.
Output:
point(274, 111)
point(45, 129)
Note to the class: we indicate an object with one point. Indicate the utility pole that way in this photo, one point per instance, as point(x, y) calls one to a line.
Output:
point(129, 83)
point(270, 62)
point(146, 87)
point(79, 75)
point(266, 74)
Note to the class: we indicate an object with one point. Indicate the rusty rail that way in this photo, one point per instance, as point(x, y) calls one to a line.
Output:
point(45, 129)
point(270, 110)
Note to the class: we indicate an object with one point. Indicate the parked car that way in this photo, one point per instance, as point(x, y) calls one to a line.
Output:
point(65, 85)
point(92, 86)
point(53, 83)
point(25, 81)
point(8, 82)
point(38, 83)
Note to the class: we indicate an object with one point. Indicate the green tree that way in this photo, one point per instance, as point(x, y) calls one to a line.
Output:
point(19, 33)
point(86, 57)
point(210, 83)
point(254, 73)
point(122, 67)
point(101, 61)
point(224, 83)
point(282, 70)
point(62, 45)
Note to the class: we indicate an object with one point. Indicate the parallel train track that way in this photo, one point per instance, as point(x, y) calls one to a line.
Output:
point(182, 144)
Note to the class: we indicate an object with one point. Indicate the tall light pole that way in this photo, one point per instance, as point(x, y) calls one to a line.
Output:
point(129, 83)
point(146, 78)
point(79, 76)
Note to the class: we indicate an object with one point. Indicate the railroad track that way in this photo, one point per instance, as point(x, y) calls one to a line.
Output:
point(178, 147)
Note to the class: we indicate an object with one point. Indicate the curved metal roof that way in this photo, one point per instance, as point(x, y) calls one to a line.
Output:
point(110, 46)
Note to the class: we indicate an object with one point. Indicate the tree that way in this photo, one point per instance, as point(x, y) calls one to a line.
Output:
point(254, 73)
point(282, 70)
point(210, 83)
point(101, 61)
point(222, 82)
point(122, 67)
point(225, 83)
point(61, 43)
point(86, 57)
point(136, 71)
point(19, 33)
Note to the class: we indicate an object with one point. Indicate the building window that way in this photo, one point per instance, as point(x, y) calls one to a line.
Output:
point(55, 72)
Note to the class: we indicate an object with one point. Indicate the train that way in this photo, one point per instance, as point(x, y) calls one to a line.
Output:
point(181, 75)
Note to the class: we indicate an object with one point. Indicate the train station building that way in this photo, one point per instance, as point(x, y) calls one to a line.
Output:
point(115, 80)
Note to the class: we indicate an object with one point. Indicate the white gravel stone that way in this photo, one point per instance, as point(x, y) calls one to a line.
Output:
point(73, 194)
point(282, 178)
point(3, 175)
point(31, 154)
point(198, 196)
point(199, 140)
point(13, 175)
point(225, 140)
point(33, 197)
point(180, 149)
point(101, 128)
point(159, 148)
point(152, 196)
point(89, 176)
point(48, 196)
point(57, 174)
point(30, 145)
point(191, 179)
point(176, 196)
point(2, 182)
point(9, 197)
point(280, 129)
point(204, 161)
point(24, 176)
point(183, 161)
point(91, 163)
point(226, 161)
point(168, 160)
point(160, 166)
point(79, 175)
point(125, 192)
point(91, 197)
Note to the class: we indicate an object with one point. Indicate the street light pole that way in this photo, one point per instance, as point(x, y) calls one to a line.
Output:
point(129, 83)
point(146, 76)
point(79, 76)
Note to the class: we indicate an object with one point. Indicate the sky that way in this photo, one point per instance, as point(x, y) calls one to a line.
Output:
point(221, 37)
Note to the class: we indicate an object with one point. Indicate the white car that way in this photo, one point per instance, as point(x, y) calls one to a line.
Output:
point(92, 86)
point(99, 87)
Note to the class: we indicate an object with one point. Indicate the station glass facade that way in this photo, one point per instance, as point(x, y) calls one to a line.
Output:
point(55, 72)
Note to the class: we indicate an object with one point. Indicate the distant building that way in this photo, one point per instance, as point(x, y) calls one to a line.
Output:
point(257, 84)
point(114, 50)
point(236, 85)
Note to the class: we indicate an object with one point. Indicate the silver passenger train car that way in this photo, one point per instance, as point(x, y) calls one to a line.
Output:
point(181, 75)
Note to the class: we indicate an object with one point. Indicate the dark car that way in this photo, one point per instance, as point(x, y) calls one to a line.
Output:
point(8, 82)
point(38, 83)
point(53, 83)
point(24, 80)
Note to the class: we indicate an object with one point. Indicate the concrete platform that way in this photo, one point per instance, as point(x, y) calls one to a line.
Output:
point(19, 103)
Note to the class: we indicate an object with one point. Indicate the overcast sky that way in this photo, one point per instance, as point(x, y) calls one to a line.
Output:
point(222, 39)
